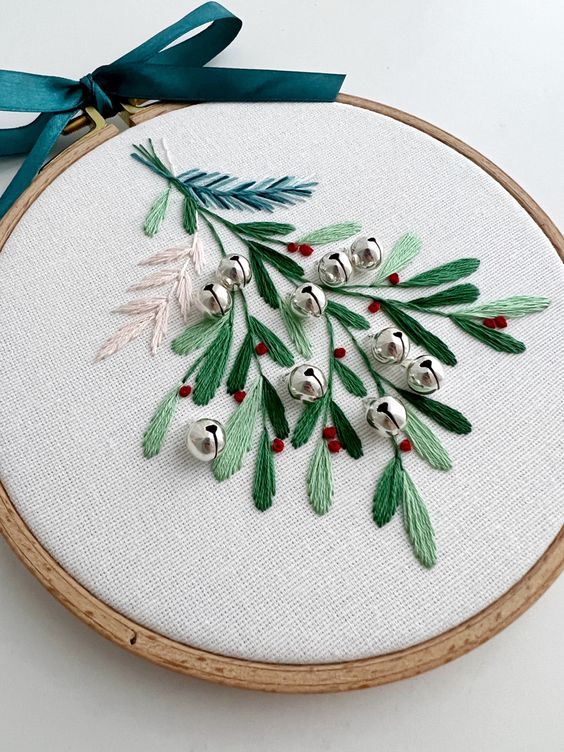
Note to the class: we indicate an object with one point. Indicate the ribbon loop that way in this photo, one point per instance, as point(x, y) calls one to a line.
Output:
point(94, 95)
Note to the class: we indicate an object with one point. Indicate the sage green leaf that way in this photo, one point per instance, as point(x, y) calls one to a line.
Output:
point(388, 492)
point(440, 275)
point(240, 369)
point(514, 307)
point(491, 337)
point(274, 408)
point(346, 434)
point(239, 434)
point(265, 286)
point(426, 443)
point(276, 348)
point(264, 230)
point(442, 414)
point(402, 254)
point(331, 233)
point(296, 330)
point(346, 317)
point(285, 265)
point(198, 335)
point(306, 423)
point(457, 295)
point(156, 214)
point(349, 379)
point(214, 362)
point(417, 524)
point(189, 215)
point(159, 424)
point(419, 335)
point(264, 484)
point(319, 479)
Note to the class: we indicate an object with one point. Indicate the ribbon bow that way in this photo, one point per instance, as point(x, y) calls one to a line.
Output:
point(150, 71)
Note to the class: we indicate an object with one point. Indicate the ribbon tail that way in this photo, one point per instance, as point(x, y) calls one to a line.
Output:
point(52, 128)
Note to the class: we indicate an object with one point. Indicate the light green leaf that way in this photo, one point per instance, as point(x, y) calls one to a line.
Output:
point(417, 524)
point(238, 434)
point(331, 234)
point(402, 254)
point(426, 443)
point(320, 479)
point(158, 426)
point(514, 307)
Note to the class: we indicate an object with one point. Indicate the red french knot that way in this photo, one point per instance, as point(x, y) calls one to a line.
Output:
point(329, 432)
point(185, 390)
point(405, 445)
point(261, 349)
point(239, 396)
point(305, 250)
point(374, 307)
point(339, 352)
point(292, 247)
point(500, 322)
point(277, 445)
point(334, 446)
point(394, 278)
point(490, 323)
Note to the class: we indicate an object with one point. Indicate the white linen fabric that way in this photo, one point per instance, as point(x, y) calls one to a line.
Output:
point(165, 544)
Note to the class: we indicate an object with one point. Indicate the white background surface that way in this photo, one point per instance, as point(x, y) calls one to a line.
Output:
point(493, 77)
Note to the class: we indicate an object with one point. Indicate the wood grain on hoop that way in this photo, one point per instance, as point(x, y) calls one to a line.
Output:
point(275, 677)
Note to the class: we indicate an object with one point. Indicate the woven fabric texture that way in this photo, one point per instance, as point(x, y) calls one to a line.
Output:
point(164, 543)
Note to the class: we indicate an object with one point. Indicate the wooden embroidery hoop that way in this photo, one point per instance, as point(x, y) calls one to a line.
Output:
point(275, 677)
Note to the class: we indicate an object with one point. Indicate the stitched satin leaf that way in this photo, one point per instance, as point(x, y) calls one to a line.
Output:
point(265, 286)
point(264, 484)
point(426, 443)
point(265, 230)
point(492, 337)
point(284, 264)
point(440, 275)
point(417, 523)
point(345, 432)
point(158, 425)
point(349, 379)
point(346, 317)
point(457, 295)
point(240, 369)
point(445, 416)
point(274, 409)
point(331, 233)
point(320, 479)
point(388, 493)
point(402, 254)
point(238, 434)
point(276, 348)
point(213, 366)
point(189, 215)
point(296, 330)
point(513, 307)
point(197, 335)
point(419, 335)
point(306, 423)
point(156, 214)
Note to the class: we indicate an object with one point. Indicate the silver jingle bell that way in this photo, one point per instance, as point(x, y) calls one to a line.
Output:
point(308, 300)
point(234, 271)
point(307, 383)
point(387, 415)
point(205, 439)
point(215, 299)
point(365, 253)
point(335, 269)
point(391, 345)
point(425, 374)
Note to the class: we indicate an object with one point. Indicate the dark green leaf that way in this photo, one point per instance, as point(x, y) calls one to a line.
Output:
point(349, 379)
point(306, 423)
point(346, 317)
point(445, 416)
point(388, 492)
point(189, 215)
point(276, 348)
point(346, 433)
point(456, 295)
point(285, 265)
point(274, 409)
point(158, 426)
point(213, 366)
point(265, 286)
point(240, 369)
point(440, 275)
point(419, 335)
point(264, 230)
point(492, 337)
point(264, 485)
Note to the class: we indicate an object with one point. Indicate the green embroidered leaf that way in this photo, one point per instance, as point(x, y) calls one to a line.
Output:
point(331, 234)
point(156, 214)
point(349, 379)
point(265, 286)
point(296, 331)
point(264, 230)
point(345, 432)
point(264, 484)
point(456, 295)
point(306, 422)
point(189, 215)
point(213, 366)
point(419, 335)
point(274, 408)
point(346, 317)
point(276, 348)
point(388, 492)
point(240, 369)
point(492, 337)
point(158, 426)
point(285, 265)
point(417, 524)
point(440, 275)
point(197, 335)
point(320, 479)
point(514, 307)
point(238, 434)
point(403, 252)
point(442, 414)
point(425, 442)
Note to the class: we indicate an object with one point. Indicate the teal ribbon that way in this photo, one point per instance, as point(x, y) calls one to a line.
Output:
point(150, 71)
